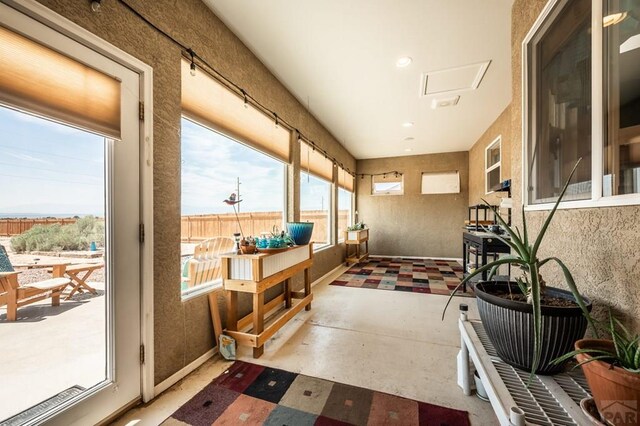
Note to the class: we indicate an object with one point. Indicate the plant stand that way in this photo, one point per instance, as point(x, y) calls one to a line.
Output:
point(255, 274)
point(549, 400)
point(356, 238)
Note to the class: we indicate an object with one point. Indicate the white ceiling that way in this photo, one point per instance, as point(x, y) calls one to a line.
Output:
point(339, 57)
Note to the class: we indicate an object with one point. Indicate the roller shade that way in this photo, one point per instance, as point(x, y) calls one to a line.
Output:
point(345, 180)
point(207, 101)
point(315, 162)
point(39, 80)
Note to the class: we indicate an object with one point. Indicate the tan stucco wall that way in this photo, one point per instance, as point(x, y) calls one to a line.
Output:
point(183, 331)
point(501, 127)
point(414, 224)
point(599, 245)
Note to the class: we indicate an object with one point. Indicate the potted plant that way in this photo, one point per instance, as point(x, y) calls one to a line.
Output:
point(612, 369)
point(520, 315)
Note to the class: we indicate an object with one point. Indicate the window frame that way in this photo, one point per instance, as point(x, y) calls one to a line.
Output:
point(498, 165)
point(330, 224)
point(598, 126)
point(204, 289)
point(341, 238)
point(391, 193)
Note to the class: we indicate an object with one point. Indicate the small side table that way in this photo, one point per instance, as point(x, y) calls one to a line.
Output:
point(356, 238)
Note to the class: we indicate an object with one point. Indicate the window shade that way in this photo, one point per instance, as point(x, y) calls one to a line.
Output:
point(207, 101)
point(39, 80)
point(345, 180)
point(315, 162)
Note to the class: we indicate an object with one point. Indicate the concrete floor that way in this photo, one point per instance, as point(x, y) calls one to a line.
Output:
point(51, 348)
point(390, 341)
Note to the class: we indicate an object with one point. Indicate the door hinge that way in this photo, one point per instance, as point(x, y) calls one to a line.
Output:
point(141, 354)
point(141, 233)
point(141, 110)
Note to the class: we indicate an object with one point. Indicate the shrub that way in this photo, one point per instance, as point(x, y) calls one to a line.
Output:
point(56, 237)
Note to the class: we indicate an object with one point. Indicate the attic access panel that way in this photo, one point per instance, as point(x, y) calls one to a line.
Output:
point(466, 77)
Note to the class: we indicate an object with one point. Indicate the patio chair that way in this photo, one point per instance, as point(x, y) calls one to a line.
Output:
point(206, 266)
point(15, 296)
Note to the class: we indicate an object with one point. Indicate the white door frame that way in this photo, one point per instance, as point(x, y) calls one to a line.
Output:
point(46, 16)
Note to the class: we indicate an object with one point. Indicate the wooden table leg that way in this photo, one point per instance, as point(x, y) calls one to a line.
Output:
point(287, 293)
point(232, 311)
point(307, 287)
point(258, 320)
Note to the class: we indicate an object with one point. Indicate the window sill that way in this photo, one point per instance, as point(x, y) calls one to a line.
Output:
point(322, 248)
point(615, 201)
point(203, 290)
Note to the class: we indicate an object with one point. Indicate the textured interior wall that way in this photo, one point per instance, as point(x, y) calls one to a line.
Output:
point(183, 331)
point(414, 224)
point(500, 127)
point(599, 245)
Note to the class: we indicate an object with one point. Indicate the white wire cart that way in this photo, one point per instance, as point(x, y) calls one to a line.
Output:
point(549, 400)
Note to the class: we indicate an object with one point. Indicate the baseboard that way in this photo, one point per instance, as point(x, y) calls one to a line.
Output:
point(459, 259)
point(184, 372)
point(328, 274)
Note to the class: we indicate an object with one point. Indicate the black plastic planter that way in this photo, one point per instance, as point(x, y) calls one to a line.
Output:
point(509, 325)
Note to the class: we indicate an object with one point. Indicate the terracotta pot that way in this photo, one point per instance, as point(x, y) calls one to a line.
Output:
point(248, 249)
point(615, 390)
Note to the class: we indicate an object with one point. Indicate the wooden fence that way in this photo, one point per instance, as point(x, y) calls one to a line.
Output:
point(11, 227)
point(201, 227)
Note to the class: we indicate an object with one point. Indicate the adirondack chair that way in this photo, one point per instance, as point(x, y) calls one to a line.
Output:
point(14, 296)
point(206, 266)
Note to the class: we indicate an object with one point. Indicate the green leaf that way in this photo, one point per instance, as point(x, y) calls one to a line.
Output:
point(537, 320)
point(596, 358)
point(536, 245)
point(574, 290)
point(515, 242)
point(498, 262)
point(636, 358)
point(589, 351)
point(524, 229)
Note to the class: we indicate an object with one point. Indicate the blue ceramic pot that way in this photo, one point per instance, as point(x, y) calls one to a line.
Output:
point(300, 232)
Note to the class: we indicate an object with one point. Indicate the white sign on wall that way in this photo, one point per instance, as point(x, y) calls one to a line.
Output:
point(441, 182)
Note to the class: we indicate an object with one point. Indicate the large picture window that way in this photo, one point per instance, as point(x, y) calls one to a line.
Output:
point(215, 166)
point(315, 205)
point(583, 101)
point(345, 211)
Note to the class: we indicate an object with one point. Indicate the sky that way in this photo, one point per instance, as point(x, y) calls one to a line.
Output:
point(48, 168)
point(211, 164)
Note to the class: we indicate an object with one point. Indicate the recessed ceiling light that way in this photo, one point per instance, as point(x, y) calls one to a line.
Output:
point(407, 124)
point(614, 18)
point(403, 61)
point(407, 150)
point(409, 139)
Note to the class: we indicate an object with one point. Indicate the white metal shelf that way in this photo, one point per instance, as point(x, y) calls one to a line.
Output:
point(549, 400)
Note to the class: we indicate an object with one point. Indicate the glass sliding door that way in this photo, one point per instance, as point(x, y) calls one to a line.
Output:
point(69, 218)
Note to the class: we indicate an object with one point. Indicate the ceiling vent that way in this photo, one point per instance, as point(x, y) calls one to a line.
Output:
point(466, 77)
point(445, 102)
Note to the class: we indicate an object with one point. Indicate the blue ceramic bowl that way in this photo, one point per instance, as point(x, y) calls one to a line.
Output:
point(300, 232)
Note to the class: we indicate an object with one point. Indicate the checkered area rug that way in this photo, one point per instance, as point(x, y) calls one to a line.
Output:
point(434, 276)
point(249, 394)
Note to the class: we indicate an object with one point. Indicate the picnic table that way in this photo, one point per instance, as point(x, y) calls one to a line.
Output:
point(77, 273)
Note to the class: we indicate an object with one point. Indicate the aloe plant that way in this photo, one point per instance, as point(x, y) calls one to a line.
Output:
point(626, 352)
point(525, 257)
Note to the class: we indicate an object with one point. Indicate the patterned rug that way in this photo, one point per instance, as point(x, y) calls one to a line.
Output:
point(434, 276)
point(249, 394)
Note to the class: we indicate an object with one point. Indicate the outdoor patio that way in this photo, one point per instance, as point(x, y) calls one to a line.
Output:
point(50, 349)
